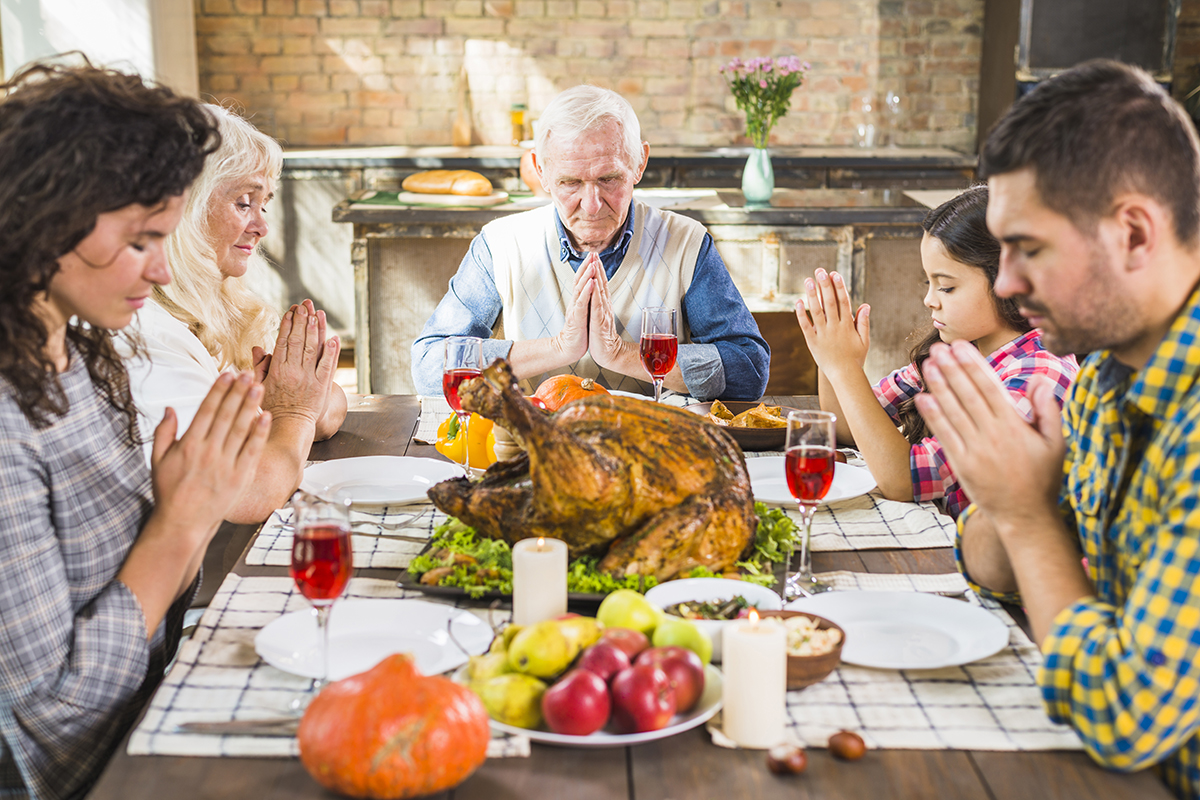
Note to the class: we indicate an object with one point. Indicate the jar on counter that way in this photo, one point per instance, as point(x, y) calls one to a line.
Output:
point(517, 115)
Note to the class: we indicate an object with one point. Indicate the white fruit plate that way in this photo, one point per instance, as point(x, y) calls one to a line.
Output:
point(708, 705)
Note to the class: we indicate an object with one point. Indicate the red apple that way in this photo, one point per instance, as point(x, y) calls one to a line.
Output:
point(685, 670)
point(577, 704)
point(642, 699)
point(629, 640)
point(605, 659)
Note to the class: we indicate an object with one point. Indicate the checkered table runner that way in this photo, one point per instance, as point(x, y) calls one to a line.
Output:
point(218, 676)
point(869, 522)
point(374, 530)
point(991, 704)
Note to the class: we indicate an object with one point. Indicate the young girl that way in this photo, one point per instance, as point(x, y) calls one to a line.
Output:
point(960, 259)
point(101, 554)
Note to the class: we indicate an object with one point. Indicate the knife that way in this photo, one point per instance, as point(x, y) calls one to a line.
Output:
point(274, 726)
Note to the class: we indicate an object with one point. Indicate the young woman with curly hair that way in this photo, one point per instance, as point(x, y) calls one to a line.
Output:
point(101, 554)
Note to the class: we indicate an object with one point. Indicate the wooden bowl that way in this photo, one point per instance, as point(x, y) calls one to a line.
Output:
point(804, 671)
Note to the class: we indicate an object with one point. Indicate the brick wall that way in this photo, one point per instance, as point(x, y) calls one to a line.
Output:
point(1187, 48)
point(317, 72)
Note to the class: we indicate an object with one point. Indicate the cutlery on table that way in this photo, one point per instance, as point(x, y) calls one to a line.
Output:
point(271, 726)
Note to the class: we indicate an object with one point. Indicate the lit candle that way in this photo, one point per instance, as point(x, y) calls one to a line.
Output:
point(754, 658)
point(539, 580)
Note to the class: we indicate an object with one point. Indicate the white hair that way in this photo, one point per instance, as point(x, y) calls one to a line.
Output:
point(584, 108)
point(223, 313)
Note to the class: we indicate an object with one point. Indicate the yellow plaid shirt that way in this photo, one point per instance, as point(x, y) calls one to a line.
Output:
point(1123, 668)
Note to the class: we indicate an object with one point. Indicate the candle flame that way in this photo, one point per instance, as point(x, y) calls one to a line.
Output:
point(753, 617)
point(541, 545)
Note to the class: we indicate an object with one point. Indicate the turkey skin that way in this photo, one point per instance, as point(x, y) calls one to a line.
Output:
point(648, 489)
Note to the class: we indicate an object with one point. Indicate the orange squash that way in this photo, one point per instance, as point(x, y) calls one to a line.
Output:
point(559, 390)
point(391, 733)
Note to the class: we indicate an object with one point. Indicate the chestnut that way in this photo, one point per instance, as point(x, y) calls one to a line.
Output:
point(847, 746)
point(786, 759)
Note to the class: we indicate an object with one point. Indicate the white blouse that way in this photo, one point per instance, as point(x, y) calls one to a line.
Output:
point(173, 370)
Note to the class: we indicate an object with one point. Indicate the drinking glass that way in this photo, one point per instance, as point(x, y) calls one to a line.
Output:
point(659, 345)
point(322, 560)
point(808, 464)
point(891, 105)
point(464, 360)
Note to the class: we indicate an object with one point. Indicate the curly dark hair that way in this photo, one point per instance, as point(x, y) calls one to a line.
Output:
point(77, 142)
point(960, 224)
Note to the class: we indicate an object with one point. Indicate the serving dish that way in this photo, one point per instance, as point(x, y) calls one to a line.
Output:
point(707, 589)
point(707, 706)
point(752, 439)
point(804, 671)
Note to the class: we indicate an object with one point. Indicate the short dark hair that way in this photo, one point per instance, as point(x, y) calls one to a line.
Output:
point(1094, 131)
point(77, 142)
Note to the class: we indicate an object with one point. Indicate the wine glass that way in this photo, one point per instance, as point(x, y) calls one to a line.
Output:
point(659, 346)
point(322, 560)
point(464, 360)
point(808, 464)
point(891, 104)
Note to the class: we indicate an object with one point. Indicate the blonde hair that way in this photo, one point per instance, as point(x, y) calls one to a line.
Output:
point(223, 313)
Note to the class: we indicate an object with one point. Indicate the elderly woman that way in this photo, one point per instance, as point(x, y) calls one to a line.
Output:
point(207, 320)
point(101, 554)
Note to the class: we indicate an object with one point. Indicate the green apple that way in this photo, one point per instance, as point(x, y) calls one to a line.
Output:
point(683, 633)
point(626, 608)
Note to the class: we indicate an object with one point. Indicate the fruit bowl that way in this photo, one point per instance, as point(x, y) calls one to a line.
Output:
point(708, 589)
point(708, 705)
point(804, 671)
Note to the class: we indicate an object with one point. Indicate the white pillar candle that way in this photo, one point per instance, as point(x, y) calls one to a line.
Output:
point(754, 658)
point(539, 580)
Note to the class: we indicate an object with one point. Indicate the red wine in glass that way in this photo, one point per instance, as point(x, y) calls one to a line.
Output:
point(659, 344)
point(321, 561)
point(451, 379)
point(808, 465)
point(809, 472)
point(658, 353)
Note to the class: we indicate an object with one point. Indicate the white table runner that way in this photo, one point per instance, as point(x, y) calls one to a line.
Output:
point(219, 677)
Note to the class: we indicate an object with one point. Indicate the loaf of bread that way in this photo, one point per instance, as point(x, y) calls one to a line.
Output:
point(448, 181)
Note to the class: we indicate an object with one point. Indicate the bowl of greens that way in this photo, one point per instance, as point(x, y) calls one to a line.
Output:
point(712, 603)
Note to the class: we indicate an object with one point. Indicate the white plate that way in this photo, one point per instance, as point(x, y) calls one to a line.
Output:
point(908, 630)
point(379, 480)
point(364, 632)
point(705, 589)
point(769, 484)
point(708, 705)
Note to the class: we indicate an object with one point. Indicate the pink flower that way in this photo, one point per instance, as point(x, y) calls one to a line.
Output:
point(762, 84)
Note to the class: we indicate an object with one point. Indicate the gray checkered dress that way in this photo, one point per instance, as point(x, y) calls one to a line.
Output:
point(75, 667)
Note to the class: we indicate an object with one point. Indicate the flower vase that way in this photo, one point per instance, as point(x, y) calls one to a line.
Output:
point(758, 179)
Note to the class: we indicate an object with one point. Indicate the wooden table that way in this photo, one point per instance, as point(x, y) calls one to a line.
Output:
point(683, 766)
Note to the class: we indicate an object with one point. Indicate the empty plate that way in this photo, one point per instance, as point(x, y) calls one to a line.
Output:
point(769, 484)
point(379, 480)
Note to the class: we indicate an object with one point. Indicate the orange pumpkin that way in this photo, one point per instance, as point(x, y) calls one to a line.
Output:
point(391, 733)
point(556, 392)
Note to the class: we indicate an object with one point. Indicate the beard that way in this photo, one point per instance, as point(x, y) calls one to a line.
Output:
point(1099, 316)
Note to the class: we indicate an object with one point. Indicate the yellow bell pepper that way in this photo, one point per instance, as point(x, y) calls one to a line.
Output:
point(478, 441)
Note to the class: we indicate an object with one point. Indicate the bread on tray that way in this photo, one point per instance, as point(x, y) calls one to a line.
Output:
point(448, 181)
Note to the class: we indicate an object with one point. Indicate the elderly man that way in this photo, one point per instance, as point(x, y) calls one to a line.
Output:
point(568, 281)
point(1095, 198)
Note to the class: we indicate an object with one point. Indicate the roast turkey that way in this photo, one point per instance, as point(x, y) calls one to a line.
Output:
point(649, 489)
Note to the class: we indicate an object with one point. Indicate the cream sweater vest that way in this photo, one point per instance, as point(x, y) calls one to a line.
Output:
point(535, 286)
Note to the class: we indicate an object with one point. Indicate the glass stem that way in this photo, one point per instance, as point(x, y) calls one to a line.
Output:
point(805, 572)
point(658, 382)
point(463, 421)
point(322, 612)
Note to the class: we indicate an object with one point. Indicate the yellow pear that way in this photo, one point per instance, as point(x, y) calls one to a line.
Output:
point(541, 650)
point(512, 699)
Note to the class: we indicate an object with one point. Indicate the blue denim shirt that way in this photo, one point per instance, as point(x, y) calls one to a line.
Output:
point(727, 357)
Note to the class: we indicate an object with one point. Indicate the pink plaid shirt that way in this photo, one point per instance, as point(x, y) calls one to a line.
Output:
point(1015, 363)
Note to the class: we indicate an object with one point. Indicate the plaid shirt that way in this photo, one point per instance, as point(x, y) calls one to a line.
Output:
point(74, 660)
point(1123, 667)
point(1015, 363)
